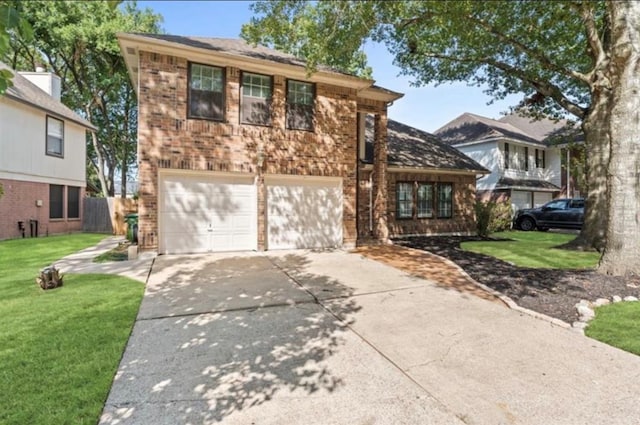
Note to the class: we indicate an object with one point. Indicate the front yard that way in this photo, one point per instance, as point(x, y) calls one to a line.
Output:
point(59, 349)
point(527, 267)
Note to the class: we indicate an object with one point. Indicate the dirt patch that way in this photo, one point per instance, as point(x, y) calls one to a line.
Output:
point(548, 291)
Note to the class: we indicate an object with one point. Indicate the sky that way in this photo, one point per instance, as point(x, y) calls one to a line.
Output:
point(427, 108)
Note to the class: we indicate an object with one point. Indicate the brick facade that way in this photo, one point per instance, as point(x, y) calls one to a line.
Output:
point(167, 139)
point(19, 203)
point(462, 222)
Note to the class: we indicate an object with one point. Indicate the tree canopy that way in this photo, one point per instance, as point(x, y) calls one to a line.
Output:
point(77, 41)
point(568, 57)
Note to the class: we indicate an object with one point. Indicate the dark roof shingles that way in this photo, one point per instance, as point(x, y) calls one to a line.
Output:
point(414, 148)
point(25, 91)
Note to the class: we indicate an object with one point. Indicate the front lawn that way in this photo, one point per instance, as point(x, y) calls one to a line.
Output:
point(59, 349)
point(534, 249)
point(618, 325)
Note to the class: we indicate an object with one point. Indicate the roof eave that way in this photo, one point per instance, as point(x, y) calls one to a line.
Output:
point(131, 44)
point(85, 124)
point(403, 169)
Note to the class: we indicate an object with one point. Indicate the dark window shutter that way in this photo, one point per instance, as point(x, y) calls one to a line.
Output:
point(506, 156)
point(526, 158)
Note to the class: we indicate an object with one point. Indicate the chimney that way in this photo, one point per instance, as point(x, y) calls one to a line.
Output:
point(46, 81)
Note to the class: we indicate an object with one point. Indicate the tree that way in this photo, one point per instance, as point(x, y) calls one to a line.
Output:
point(10, 23)
point(77, 41)
point(572, 57)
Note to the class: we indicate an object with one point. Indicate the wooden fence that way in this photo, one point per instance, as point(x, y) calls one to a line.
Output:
point(106, 215)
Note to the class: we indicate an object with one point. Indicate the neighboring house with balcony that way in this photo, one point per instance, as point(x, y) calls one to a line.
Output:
point(42, 158)
point(524, 156)
point(239, 148)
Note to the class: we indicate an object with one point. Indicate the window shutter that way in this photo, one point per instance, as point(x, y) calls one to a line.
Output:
point(506, 156)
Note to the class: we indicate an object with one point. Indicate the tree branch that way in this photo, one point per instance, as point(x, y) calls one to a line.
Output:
point(544, 87)
point(534, 53)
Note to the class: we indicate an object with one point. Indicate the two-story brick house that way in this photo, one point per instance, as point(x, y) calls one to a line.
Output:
point(42, 158)
point(239, 148)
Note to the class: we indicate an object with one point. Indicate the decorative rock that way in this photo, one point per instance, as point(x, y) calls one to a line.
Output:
point(585, 313)
point(630, 298)
point(579, 325)
point(584, 303)
point(600, 302)
point(616, 298)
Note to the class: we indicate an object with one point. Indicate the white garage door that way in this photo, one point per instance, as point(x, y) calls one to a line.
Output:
point(520, 200)
point(541, 198)
point(304, 213)
point(206, 213)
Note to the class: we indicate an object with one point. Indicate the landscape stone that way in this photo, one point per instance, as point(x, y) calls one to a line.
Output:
point(600, 302)
point(585, 313)
point(616, 298)
point(630, 298)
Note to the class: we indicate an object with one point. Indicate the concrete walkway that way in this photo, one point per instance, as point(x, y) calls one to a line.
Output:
point(337, 338)
point(82, 262)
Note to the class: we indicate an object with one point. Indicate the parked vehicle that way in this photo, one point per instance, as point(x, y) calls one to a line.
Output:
point(557, 214)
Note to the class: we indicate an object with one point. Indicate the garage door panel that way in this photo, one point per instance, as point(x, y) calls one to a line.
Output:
point(520, 200)
point(185, 243)
point(215, 213)
point(304, 215)
point(541, 198)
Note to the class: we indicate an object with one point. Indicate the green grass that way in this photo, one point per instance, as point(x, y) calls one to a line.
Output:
point(618, 325)
point(59, 349)
point(535, 249)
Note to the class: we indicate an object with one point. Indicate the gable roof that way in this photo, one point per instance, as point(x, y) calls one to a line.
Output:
point(475, 128)
point(470, 128)
point(239, 53)
point(26, 92)
point(409, 147)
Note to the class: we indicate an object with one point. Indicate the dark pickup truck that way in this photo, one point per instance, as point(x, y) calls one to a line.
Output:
point(557, 214)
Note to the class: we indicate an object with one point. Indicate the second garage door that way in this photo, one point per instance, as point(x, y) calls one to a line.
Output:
point(304, 212)
point(206, 213)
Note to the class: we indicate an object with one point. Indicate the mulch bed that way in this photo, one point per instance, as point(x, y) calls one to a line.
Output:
point(548, 291)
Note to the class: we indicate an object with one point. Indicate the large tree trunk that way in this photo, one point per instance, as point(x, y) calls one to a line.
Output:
point(100, 159)
point(622, 250)
point(597, 143)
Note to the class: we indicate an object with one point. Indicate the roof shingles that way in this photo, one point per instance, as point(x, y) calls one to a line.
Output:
point(25, 91)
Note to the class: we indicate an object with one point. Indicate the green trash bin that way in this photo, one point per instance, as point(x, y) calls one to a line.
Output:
point(132, 227)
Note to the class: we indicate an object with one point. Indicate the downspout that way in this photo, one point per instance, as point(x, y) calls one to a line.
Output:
point(370, 202)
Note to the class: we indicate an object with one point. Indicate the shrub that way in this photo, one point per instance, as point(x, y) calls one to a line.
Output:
point(492, 217)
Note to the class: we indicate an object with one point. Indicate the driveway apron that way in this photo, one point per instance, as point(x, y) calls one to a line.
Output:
point(336, 338)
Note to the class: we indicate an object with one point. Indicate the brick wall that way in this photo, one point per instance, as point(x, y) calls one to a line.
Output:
point(19, 204)
point(168, 139)
point(463, 220)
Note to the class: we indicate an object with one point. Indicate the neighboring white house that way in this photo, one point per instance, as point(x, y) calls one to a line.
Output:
point(42, 158)
point(523, 155)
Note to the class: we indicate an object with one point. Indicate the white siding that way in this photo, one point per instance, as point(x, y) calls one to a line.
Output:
point(23, 146)
point(489, 156)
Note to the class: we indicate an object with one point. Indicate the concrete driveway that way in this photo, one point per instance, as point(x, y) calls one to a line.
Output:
point(335, 338)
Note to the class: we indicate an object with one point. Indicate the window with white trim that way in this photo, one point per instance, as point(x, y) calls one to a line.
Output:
point(404, 200)
point(425, 200)
point(300, 105)
point(256, 99)
point(206, 92)
point(55, 137)
point(445, 200)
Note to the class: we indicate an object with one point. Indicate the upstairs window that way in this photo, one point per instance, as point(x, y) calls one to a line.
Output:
point(540, 158)
point(206, 92)
point(256, 99)
point(300, 105)
point(506, 156)
point(55, 137)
